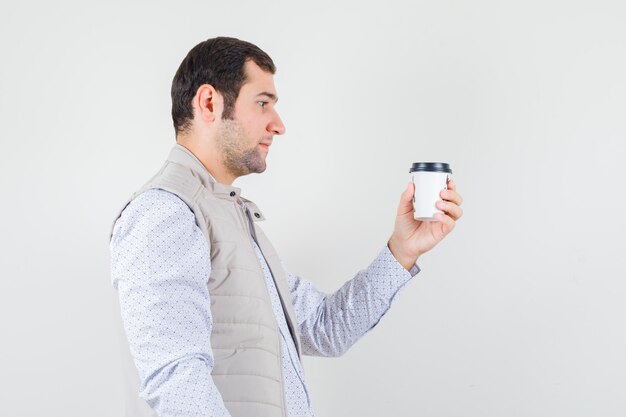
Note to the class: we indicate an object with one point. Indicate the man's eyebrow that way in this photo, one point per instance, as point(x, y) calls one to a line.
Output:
point(269, 95)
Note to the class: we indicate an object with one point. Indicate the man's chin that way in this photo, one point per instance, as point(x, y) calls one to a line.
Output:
point(257, 168)
point(261, 165)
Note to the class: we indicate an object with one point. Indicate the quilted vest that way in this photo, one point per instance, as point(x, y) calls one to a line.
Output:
point(245, 338)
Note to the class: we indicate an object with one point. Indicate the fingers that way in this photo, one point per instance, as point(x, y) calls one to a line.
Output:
point(448, 222)
point(451, 194)
point(450, 205)
point(451, 209)
point(406, 200)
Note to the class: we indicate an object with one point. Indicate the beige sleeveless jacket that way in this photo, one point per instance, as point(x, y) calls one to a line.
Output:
point(245, 338)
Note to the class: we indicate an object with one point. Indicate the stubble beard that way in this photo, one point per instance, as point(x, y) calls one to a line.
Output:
point(238, 160)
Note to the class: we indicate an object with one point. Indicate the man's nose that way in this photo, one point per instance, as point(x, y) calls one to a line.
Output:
point(276, 126)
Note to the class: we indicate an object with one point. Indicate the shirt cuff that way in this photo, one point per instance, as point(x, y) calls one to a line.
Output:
point(387, 275)
point(386, 253)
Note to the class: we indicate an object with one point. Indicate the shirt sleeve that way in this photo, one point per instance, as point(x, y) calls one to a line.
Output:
point(329, 324)
point(160, 265)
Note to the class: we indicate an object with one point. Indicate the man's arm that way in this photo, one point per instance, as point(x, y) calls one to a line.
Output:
point(160, 265)
point(329, 324)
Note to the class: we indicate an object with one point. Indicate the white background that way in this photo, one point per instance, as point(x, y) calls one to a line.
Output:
point(519, 312)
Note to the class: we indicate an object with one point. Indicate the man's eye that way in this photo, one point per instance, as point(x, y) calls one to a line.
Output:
point(262, 103)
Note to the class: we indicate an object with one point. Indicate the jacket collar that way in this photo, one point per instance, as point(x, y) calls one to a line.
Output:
point(183, 156)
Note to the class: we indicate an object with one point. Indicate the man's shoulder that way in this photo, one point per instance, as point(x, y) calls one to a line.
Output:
point(155, 202)
point(157, 196)
point(152, 208)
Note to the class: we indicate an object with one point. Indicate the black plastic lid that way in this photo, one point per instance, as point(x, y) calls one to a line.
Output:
point(431, 167)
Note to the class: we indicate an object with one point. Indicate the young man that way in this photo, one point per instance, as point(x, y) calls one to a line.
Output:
point(216, 325)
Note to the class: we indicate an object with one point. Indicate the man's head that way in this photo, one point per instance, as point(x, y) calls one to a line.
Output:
point(223, 99)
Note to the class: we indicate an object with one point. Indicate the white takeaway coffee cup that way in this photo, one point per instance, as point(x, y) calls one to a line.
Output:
point(429, 179)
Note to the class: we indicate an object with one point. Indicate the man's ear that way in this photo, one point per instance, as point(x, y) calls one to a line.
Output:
point(208, 104)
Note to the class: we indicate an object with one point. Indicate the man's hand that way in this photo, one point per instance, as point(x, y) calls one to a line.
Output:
point(411, 238)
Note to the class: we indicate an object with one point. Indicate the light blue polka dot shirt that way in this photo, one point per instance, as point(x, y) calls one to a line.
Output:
point(160, 264)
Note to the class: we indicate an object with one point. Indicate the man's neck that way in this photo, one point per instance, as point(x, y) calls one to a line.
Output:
point(209, 159)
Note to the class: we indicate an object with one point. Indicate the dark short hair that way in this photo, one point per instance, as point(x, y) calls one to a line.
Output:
point(219, 62)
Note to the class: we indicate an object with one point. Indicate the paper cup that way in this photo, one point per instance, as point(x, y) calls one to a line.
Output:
point(429, 179)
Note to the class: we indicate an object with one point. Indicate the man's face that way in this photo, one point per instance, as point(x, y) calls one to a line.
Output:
point(244, 141)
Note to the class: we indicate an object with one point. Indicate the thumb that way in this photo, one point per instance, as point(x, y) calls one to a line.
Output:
point(406, 200)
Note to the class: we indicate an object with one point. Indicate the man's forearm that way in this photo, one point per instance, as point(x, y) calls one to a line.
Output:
point(343, 317)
